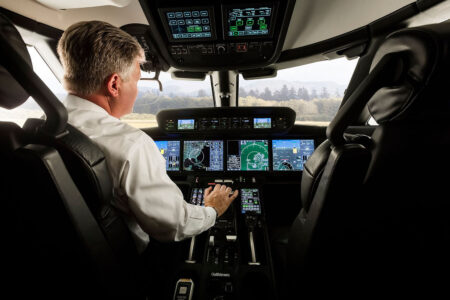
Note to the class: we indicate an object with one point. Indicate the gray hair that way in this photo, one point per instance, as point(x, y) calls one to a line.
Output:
point(92, 51)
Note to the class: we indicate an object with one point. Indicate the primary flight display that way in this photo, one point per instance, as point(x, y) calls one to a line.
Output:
point(290, 155)
point(170, 150)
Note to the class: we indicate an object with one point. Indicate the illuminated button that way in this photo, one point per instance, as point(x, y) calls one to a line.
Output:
point(206, 28)
point(172, 22)
point(171, 15)
point(189, 22)
point(181, 22)
point(205, 21)
point(195, 14)
point(183, 290)
point(191, 29)
point(198, 28)
point(187, 14)
point(204, 13)
point(179, 14)
point(197, 21)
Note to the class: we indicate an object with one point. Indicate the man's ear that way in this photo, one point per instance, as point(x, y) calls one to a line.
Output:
point(113, 83)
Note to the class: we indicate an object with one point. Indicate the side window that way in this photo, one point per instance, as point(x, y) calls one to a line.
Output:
point(175, 94)
point(30, 109)
point(314, 91)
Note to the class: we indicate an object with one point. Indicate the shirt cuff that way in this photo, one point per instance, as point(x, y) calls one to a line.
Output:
point(211, 217)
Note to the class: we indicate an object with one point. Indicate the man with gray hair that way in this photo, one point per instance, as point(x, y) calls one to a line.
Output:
point(102, 69)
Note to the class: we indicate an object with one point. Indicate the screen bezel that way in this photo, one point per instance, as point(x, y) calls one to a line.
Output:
point(226, 7)
point(210, 8)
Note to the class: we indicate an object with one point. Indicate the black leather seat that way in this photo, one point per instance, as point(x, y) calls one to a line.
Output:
point(55, 243)
point(378, 215)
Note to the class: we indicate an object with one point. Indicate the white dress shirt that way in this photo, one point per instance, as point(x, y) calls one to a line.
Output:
point(152, 202)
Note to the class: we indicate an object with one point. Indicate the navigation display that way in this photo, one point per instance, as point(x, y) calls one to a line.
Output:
point(189, 23)
point(203, 156)
point(170, 150)
point(262, 123)
point(250, 201)
point(248, 21)
point(187, 124)
point(248, 155)
point(290, 155)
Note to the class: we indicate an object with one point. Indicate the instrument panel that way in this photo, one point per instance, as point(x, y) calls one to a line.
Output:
point(218, 34)
point(262, 120)
point(276, 155)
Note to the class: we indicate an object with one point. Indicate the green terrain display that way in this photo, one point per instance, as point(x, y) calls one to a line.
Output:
point(254, 156)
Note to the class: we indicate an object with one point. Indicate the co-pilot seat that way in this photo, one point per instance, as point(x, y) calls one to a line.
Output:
point(378, 220)
point(55, 243)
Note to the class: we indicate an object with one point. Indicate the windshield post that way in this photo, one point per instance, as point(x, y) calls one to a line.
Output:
point(224, 85)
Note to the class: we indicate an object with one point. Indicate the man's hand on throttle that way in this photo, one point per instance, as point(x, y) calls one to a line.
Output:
point(219, 198)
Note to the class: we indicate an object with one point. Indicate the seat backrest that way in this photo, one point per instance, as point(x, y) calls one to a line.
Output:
point(56, 243)
point(367, 209)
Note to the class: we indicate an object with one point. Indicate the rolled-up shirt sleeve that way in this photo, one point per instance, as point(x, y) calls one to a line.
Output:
point(155, 200)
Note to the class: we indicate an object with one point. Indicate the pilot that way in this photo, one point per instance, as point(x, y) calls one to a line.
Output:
point(101, 71)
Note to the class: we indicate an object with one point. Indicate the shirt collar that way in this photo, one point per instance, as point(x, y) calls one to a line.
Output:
point(76, 102)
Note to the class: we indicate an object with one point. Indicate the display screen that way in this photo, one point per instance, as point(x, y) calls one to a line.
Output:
point(262, 123)
point(170, 150)
point(248, 155)
point(290, 155)
point(189, 23)
point(250, 201)
point(203, 156)
point(249, 21)
point(186, 124)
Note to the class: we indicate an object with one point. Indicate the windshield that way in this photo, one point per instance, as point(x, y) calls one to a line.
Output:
point(176, 94)
point(314, 91)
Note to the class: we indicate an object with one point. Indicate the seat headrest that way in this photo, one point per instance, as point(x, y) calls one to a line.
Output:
point(12, 93)
point(15, 60)
point(422, 87)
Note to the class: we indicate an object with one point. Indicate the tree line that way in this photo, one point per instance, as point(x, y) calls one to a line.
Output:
point(317, 109)
point(286, 93)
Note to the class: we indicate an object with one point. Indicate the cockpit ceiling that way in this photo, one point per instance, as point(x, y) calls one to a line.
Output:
point(312, 20)
point(317, 20)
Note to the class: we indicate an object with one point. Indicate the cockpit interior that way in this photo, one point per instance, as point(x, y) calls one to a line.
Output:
point(337, 195)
